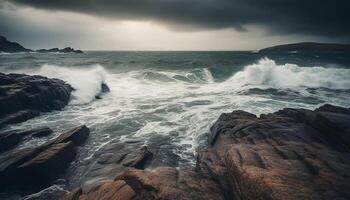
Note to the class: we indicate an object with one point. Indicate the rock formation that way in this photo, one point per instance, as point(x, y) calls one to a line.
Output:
point(23, 97)
point(11, 47)
point(57, 50)
point(289, 154)
point(35, 168)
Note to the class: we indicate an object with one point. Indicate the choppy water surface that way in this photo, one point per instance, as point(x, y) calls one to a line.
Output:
point(168, 100)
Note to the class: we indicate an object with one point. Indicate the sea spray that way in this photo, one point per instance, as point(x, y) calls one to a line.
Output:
point(86, 81)
point(267, 73)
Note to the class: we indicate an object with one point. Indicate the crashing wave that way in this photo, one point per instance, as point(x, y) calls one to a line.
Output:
point(86, 81)
point(267, 73)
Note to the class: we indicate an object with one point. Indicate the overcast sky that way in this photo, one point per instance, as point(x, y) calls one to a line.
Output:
point(173, 24)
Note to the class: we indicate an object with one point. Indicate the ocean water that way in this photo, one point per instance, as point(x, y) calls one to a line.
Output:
point(169, 100)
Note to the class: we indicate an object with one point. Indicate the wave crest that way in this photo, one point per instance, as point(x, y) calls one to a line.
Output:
point(267, 73)
point(86, 81)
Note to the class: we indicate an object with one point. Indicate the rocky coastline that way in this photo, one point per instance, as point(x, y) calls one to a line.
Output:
point(14, 47)
point(289, 154)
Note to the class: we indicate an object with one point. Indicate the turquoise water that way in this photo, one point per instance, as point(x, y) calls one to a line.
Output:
point(168, 100)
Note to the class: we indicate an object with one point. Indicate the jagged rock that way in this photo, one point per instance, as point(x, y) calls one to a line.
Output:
point(38, 167)
point(290, 154)
point(114, 159)
point(11, 138)
point(24, 97)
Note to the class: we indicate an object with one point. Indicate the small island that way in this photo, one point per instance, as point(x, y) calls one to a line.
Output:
point(14, 47)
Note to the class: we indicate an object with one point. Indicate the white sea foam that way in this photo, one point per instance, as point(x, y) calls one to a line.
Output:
point(267, 73)
point(86, 81)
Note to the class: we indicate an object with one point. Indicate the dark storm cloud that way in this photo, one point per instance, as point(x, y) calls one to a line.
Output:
point(329, 18)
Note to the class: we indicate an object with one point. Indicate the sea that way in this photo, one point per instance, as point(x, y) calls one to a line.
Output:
point(168, 100)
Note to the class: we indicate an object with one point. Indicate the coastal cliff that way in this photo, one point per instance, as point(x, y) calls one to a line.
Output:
point(289, 154)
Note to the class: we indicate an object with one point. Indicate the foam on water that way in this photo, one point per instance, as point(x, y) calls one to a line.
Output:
point(181, 104)
point(267, 73)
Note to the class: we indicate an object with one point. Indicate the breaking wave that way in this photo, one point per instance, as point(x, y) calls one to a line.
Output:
point(267, 73)
point(86, 81)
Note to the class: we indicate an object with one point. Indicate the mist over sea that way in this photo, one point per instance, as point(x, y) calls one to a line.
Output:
point(168, 100)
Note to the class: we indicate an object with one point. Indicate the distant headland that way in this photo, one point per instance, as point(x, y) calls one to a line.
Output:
point(13, 47)
point(308, 47)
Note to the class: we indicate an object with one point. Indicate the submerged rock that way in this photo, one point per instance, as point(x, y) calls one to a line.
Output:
point(289, 154)
point(24, 97)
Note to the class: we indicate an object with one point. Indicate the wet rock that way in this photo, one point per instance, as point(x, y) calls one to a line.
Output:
point(104, 89)
point(38, 167)
point(42, 132)
point(114, 159)
point(77, 135)
point(9, 139)
point(169, 183)
point(54, 192)
point(110, 190)
point(24, 97)
point(290, 154)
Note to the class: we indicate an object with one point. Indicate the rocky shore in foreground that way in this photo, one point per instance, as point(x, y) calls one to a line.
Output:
point(289, 154)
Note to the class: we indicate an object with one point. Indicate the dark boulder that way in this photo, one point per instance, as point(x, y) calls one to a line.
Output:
point(9, 139)
point(54, 192)
point(35, 168)
point(24, 97)
point(104, 89)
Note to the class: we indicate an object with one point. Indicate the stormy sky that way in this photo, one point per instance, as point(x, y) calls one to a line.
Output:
point(173, 24)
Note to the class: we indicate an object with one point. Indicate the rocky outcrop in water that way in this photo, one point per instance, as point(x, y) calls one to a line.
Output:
point(23, 97)
point(57, 50)
point(289, 154)
point(34, 168)
point(11, 47)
